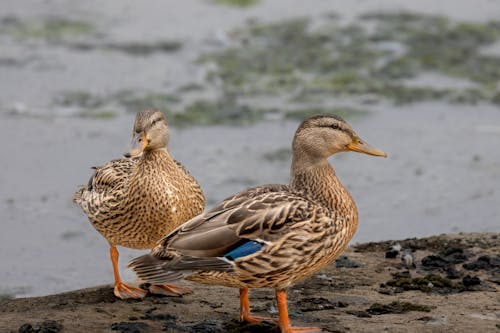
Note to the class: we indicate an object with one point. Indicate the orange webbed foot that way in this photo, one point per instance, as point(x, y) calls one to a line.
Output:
point(301, 330)
point(169, 290)
point(255, 319)
point(124, 291)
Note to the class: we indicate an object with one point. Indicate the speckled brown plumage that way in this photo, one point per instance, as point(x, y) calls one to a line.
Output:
point(295, 229)
point(135, 201)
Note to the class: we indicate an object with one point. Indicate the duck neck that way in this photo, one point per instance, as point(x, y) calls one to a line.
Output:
point(319, 182)
point(154, 157)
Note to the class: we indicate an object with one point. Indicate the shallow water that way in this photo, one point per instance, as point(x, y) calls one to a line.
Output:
point(442, 174)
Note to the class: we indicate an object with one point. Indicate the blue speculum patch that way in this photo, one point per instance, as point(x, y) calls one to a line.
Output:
point(244, 250)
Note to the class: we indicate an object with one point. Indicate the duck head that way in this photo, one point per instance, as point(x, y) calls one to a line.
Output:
point(321, 136)
point(150, 132)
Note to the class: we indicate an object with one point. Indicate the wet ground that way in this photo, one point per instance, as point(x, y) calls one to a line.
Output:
point(73, 75)
point(362, 292)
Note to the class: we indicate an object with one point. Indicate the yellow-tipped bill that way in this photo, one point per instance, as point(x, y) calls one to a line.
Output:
point(139, 143)
point(360, 146)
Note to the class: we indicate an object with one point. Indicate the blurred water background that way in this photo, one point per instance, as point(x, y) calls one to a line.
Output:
point(417, 79)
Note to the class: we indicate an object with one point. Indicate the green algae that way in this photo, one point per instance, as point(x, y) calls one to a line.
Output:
point(141, 48)
point(130, 48)
point(134, 102)
point(223, 111)
point(344, 112)
point(50, 28)
point(78, 98)
point(307, 65)
point(98, 113)
point(237, 3)
point(190, 87)
point(99, 106)
point(218, 112)
point(62, 30)
point(334, 60)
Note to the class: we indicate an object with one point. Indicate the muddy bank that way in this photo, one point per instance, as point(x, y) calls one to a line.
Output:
point(446, 283)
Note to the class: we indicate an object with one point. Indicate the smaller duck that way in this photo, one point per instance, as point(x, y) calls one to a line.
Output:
point(269, 236)
point(136, 200)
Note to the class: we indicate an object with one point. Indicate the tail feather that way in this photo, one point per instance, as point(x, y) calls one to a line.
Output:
point(77, 197)
point(153, 270)
point(202, 264)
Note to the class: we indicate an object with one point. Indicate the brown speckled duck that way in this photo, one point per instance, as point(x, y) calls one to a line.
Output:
point(269, 236)
point(136, 200)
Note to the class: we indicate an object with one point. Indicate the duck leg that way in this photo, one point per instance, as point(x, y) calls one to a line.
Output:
point(245, 309)
point(122, 290)
point(284, 321)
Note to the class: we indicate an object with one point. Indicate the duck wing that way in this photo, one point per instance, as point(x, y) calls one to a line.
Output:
point(112, 175)
point(106, 186)
point(240, 226)
point(211, 234)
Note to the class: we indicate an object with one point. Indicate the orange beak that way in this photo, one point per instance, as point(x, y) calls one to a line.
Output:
point(360, 146)
point(139, 143)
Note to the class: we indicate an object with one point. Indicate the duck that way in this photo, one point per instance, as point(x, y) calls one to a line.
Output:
point(269, 236)
point(135, 200)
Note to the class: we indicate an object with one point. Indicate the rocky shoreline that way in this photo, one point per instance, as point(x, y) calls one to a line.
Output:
point(445, 283)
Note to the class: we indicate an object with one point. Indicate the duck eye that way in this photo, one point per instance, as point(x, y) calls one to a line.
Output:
point(335, 126)
point(155, 121)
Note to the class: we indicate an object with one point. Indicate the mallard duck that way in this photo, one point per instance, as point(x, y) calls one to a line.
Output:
point(269, 236)
point(134, 201)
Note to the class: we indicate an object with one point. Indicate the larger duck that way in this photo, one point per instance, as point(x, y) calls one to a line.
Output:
point(134, 201)
point(269, 236)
